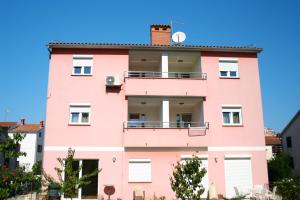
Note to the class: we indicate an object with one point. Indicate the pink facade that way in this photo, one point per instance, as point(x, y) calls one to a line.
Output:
point(113, 142)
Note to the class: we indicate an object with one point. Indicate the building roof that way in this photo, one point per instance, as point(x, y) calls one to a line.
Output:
point(26, 128)
point(181, 47)
point(291, 122)
point(7, 124)
point(272, 140)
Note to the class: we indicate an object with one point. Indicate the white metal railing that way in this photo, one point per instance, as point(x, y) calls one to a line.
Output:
point(155, 74)
point(160, 124)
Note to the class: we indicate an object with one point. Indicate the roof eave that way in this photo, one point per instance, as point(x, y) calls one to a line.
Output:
point(290, 123)
point(156, 47)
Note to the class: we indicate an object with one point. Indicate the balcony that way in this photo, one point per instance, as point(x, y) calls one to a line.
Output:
point(138, 83)
point(171, 74)
point(157, 122)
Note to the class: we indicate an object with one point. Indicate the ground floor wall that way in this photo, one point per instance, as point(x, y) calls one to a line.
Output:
point(114, 163)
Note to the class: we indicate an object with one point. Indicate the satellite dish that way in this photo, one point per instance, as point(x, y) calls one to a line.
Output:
point(178, 37)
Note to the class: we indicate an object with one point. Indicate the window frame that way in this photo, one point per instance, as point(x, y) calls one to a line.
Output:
point(140, 180)
point(231, 110)
point(82, 66)
point(228, 60)
point(80, 109)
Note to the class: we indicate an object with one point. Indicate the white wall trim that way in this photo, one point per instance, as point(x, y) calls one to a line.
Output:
point(84, 148)
point(204, 156)
point(237, 148)
point(121, 149)
point(238, 156)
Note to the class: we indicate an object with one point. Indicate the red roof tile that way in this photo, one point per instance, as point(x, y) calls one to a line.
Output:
point(7, 124)
point(272, 140)
point(27, 128)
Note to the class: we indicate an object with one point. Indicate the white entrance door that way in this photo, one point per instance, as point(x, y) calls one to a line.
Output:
point(205, 178)
point(238, 173)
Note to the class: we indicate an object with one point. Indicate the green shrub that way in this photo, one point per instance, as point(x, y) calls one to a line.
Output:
point(186, 179)
point(289, 188)
point(279, 168)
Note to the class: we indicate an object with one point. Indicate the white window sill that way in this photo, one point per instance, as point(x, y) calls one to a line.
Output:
point(139, 181)
point(81, 74)
point(79, 124)
point(224, 77)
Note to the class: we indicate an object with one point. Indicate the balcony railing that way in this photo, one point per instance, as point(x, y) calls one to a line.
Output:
point(159, 124)
point(153, 74)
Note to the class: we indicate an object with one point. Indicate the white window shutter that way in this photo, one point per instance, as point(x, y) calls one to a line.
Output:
point(139, 171)
point(82, 62)
point(228, 66)
point(238, 173)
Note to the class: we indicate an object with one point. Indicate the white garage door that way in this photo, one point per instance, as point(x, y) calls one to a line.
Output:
point(238, 173)
point(204, 163)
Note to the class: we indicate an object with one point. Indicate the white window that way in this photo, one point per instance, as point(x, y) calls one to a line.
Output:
point(80, 114)
point(139, 170)
point(228, 68)
point(232, 115)
point(82, 65)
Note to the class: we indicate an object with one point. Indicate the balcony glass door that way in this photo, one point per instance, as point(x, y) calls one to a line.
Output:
point(89, 191)
point(183, 120)
point(136, 120)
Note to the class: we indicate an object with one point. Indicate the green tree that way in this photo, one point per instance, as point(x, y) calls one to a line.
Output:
point(186, 179)
point(70, 183)
point(9, 145)
point(13, 181)
point(279, 168)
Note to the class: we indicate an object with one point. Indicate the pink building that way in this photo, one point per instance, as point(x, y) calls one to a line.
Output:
point(134, 110)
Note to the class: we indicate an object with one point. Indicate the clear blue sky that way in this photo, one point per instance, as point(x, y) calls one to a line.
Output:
point(27, 26)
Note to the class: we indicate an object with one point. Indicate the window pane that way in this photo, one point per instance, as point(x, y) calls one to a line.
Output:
point(236, 117)
point(85, 118)
point(223, 73)
point(74, 117)
point(233, 74)
point(289, 142)
point(77, 70)
point(226, 117)
point(87, 70)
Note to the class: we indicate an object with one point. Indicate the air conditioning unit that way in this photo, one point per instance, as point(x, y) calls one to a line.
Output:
point(112, 81)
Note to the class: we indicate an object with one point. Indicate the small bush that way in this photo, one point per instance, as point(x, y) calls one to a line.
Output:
point(289, 188)
point(279, 168)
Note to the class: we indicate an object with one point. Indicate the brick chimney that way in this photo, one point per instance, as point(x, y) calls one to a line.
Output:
point(22, 121)
point(160, 34)
point(41, 124)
